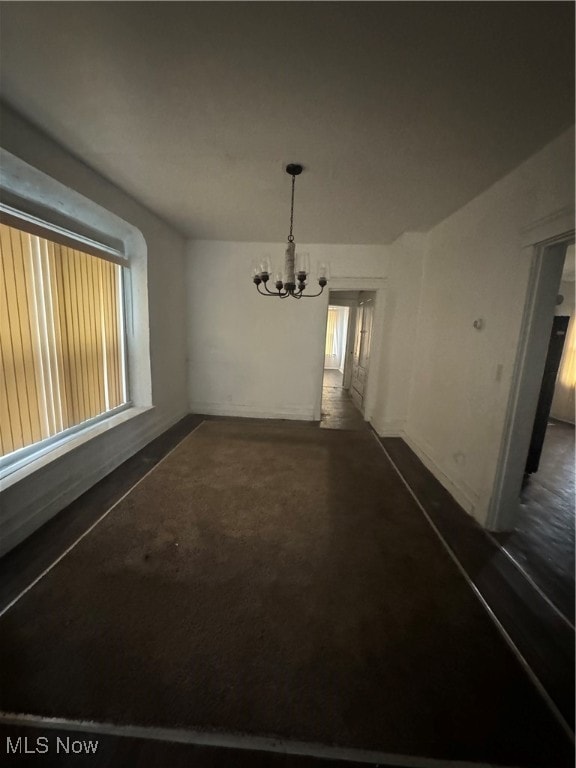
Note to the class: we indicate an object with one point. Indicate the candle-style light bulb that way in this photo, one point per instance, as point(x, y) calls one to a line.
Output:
point(303, 262)
point(322, 275)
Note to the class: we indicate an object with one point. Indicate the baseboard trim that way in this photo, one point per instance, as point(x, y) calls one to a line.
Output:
point(563, 421)
point(461, 495)
point(252, 411)
point(391, 428)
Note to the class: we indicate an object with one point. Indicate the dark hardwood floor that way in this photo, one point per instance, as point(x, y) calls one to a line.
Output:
point(543, 541)
point(543, 638)
point(338, 410)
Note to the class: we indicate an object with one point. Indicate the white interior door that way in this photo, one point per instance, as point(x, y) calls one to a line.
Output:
point(361, 354)
point(349, 353)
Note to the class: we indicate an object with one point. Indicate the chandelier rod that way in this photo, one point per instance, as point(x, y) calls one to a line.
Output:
point(291, 236)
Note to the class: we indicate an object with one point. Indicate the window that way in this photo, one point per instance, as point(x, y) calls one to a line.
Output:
point(336, 332)
point(62, 337)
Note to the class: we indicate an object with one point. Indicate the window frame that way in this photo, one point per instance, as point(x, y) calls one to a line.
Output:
point(64, 215)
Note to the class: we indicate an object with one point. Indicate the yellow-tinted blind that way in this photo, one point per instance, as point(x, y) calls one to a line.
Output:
point(61, 338)
point(330, 350)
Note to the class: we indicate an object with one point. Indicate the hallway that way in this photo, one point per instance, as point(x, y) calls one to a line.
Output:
point(338, 410)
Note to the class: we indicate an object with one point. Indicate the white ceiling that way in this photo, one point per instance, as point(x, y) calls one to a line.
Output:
point(400, 112)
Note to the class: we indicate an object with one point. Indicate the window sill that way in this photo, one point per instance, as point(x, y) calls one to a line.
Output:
point(43, 457)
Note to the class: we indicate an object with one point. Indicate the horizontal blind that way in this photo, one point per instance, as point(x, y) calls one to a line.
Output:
point(61, 351)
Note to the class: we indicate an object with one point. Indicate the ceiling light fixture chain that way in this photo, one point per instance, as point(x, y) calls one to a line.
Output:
point(293, 282)
point(291, 236)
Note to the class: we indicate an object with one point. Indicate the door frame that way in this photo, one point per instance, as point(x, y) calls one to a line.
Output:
point(377, 285)
point(347, 367)
point(362, 303)
point(547, 261)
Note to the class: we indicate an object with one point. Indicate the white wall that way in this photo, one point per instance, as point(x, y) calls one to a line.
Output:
point(30, 502)
point(254, 356)
point(475, 266)
point(401, 311)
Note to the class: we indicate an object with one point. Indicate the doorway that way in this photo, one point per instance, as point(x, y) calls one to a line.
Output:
point(336, 343)
point(346, 359)
point(539, 535)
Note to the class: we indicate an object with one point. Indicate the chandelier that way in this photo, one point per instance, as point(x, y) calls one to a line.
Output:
point(293, 282)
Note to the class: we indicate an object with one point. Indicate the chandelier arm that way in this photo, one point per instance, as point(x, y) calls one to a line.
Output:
point(269, 293)
point(313, 295)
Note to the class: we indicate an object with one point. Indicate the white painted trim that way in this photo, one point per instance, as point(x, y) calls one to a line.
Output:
point(378, 286)
point(356, 283)
point(544, 280)
point(530, 580)
point(317, 412)
point(547, 229)
point(251, 411)
point(50, 230)
point(390, 428)
point(60, 445)
point(52, 201)
point(349, 351)
point(523, 663)
point(231, 740)
point(25, 506)
point(563, 421)
point(91, 528)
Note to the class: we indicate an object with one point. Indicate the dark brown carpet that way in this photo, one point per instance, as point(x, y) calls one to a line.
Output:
point(275, 580)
